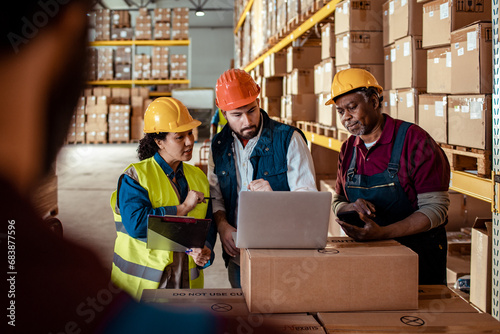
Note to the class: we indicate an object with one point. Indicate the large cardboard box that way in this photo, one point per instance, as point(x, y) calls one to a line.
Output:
point(385, 23)
point(328, 74)
point(469, 121)
point(359, 47)
point(410, 63)
point(379, 275)
point(471, 53)
point(301, 107)
point(405, 19)
point(318, 78)
point(230, 304)
point(327, 41)
point(408, 322)
point(389, 58)
point(408, 104)
point(480, 264)
point(375, 69)
point(302, 57)
point(326, 114)
point(358, 16)
point(393, 103)
point(433, 116)
point(272, 105)
point(302, 82)
point(334, 229)
point(275, 64)
point(457, 266)
point(272, 86)
point(441, 17)
point(439, 298)
point(439, 70)
point(385, 102)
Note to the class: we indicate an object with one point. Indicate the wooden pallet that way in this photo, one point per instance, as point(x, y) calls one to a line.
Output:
point(293, 23)
point(466, 158)
point(342, 135)
point(325, 130)
point(96, 142)
point(119, 141)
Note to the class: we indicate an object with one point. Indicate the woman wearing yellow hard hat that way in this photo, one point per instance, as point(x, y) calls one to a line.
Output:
point(160, 184)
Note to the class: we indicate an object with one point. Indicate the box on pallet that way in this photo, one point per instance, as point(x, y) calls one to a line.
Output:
point(272, 105)
point(409, 68)
point(302, 57)
point(327, 41)
point(480, 264)
point(359, 47)
point(275, 65)
point(439, 70)
point(351, 15)
point(433, 116)
point(408, 104)
point(389, 58)
point(272, 86)
point(300, 107)
point(405, 19)
point(379, 275)
point(326, 114)
point(471, 62)
point(301, 82)
point(318, 78)
point(329, 71)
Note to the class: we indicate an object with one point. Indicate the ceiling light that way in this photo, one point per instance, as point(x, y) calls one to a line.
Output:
point(200, 12)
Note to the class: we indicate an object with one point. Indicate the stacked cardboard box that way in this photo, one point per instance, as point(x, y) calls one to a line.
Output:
point(271, 92)
point(105, 64)
point(143, 25)
point(139, 101)
point(323, 77)
point(142, 67)
point(103, 25)
point(96, 125)
point(281, 15)
point(76, 133)
point(92, 64)
point(180, 23)
point(159, 61)
point(178, 67)
point(119, 123)
point(258, 17)
point(162, 15)
point(120, 95)
point(123, 61)
point(121, 25)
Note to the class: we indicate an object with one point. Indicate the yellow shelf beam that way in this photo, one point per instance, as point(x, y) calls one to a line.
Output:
point(243, 16)
point(184, 42)
point(319, 16)
point(136, 82)
point(156, 94)
point(472, 185)
point(324, 141)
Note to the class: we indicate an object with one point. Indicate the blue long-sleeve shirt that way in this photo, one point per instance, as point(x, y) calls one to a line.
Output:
point(135, 206)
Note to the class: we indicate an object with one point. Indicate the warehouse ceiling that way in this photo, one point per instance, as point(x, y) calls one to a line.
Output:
point(217, 13)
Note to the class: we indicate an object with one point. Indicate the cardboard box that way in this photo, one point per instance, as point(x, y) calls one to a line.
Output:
point(230, 303)
point(272, 86)
point(408, 322)
point(410, 64)
point(318, 78)
point(326, 114)
point(405, 19)
point(393, 103)
point(441, 17)
point(469, 121)
point(301, 82)
point(328, 41)
point(272, 105)
point(433, 116)
point(328, 74)
point(385, 23)
point(275, 65)
point(385, 102)
point(471, 71)
point(302, 57)
point(439, 70)
point(389, 58)
point(334, 229)
point(456, 267)
point(408, 104)
point(380, 275)
point(440, 299)
point(301, 107)
point(358, 16)
point(360, 47)
point(480, 264)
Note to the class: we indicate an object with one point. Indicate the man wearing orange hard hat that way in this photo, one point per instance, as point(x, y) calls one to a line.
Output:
point(251, 153)
point(392, 173)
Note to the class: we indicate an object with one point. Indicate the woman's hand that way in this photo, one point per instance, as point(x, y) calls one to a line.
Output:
point(192, 199)
point(200, 255)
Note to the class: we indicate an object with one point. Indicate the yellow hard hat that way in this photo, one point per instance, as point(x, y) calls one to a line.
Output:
point(351, 79)
point(166, 114)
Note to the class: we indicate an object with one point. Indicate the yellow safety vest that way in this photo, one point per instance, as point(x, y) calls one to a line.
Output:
point(222, 121)
point(136, 267)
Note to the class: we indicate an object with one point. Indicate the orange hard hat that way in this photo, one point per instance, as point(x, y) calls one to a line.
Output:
point(235, 88)
point(166, 114)
point(351, 79)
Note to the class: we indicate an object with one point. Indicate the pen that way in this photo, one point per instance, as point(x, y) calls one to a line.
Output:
point(188, 251)
point(209, 197)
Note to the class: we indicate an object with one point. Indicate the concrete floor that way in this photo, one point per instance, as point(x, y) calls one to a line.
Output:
point(87, 175)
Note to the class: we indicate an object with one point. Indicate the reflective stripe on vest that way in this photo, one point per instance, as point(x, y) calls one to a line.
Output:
point(135, 263)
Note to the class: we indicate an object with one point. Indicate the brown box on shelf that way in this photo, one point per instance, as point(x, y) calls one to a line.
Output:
point(471, 71)
point(122, 72)
point(441, 17)
point(318, 78)
point(410, 64)
point(162, 15)
point(103, 100)
point(281, 14)
point(101, 136)
point(180, 34)
point(97, 126)
point(123, 55)
point(272, 87)
point(392, 269)
point(377, 70)
point(122, 33)
point(90, 100)
point(405, 19)
point(385, 21)
point(389, 58)
point(143, 31)
point(433, 116)
point(120, 95)
point(180, 14)
point(457, 266)
point(358, 16)
point(120, 18)
point(328, 73)
point(272, 105)
point(302, 57)
point(328, 41)
point(469, 121)
point(275, 65)
point(301, 107)
point(326, 114)
point(119, 136)
point(302, 82)
point(359, 47)
point(439, 70)
point(96, 109)
point(96, 118)
point(139, 91)
point(408, 104)
point(101, 91)
point(162, 30)
point(480, 264)
point(136, 127)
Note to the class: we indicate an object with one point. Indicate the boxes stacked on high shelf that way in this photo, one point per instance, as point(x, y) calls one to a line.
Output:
point(246, 43)
point(178, 67)
point(121, 26)
point(358, 40)
point(76, 133)
point(404, 59)
point(123, 61)
point(105, 64)
point(159, 61)
point(180, 23)
point(298, 102)
point(162, 20)
point(323, 77)
point(92, 59)
point(96, 125)
point(119, 123)
point(103, 25)
point(142, 67)
point(281, 16)
point(143, 27)
point(270, 20)
point(139, 101)
point(458, 56)
point(259, 21)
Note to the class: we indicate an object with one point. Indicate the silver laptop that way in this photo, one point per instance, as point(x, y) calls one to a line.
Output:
point(283, 219)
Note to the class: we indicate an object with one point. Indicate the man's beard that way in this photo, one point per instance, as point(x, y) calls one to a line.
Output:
point(359, 132)
point(248, 134)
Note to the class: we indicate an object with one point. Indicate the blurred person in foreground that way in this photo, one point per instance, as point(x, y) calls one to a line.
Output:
point(52, 285)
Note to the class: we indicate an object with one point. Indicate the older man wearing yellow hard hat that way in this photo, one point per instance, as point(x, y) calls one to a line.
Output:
point(160, 184)
point(392, 173)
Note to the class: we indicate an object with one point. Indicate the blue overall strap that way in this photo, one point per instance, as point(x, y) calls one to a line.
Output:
point(352, 166)
point(397, 149)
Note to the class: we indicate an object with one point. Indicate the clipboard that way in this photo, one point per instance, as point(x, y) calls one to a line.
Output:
point(176, 233)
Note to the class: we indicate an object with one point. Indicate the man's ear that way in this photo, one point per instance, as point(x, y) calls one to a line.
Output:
point(375, 101)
